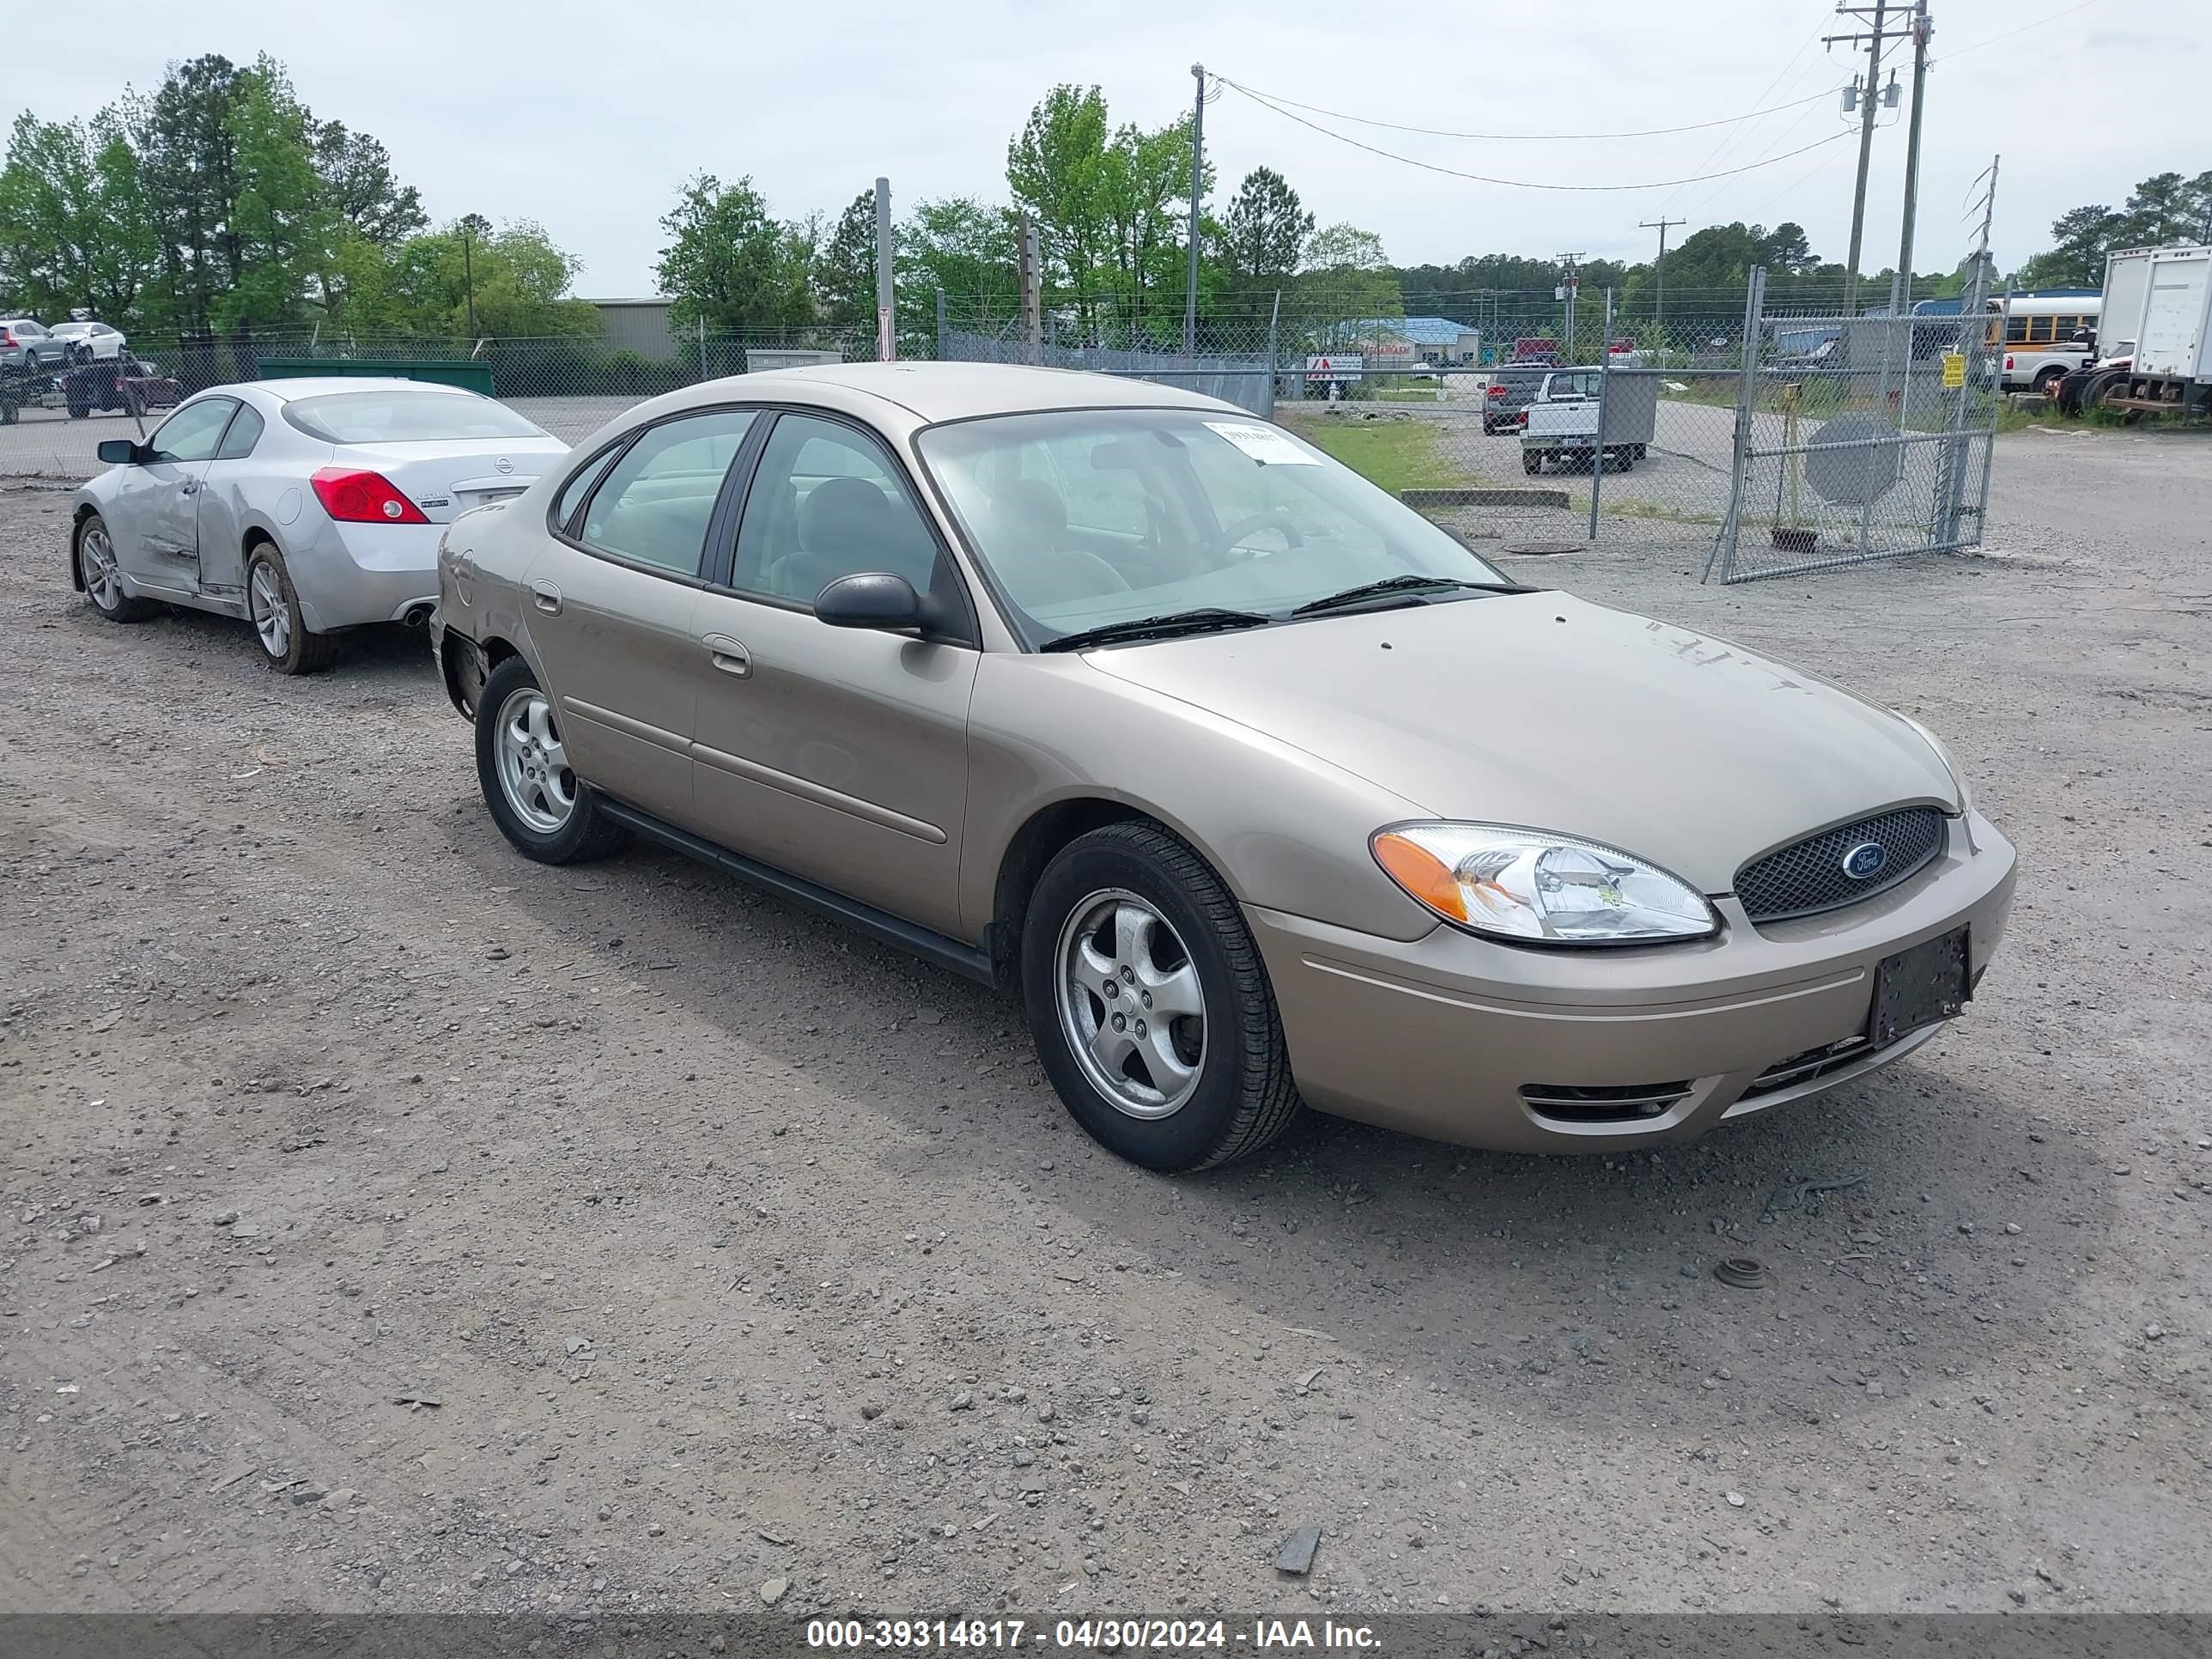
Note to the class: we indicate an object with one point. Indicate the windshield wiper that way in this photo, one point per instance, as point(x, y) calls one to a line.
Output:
point(1205, 620)
point(1406, 584)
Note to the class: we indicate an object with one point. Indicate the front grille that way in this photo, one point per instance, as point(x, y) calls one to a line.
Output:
point(1611, 1104)
point(1807, 877)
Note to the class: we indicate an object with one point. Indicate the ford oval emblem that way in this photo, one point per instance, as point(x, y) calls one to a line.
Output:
point(503, 464)
point(1864, 861)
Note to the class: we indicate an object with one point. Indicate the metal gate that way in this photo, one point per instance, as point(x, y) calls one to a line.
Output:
point(1857, 438)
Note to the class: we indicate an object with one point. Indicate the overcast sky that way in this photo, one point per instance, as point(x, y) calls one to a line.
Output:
point(585, 117)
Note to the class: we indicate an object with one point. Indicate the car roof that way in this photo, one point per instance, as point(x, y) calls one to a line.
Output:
point(286, 390)
point(933, 391)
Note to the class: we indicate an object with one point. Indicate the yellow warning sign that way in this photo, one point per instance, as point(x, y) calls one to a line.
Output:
point(1954, 370)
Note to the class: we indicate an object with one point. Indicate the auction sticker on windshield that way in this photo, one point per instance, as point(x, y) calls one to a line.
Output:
point(1262, 443)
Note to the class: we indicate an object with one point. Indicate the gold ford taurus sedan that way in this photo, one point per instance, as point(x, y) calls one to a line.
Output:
point(1262, 788)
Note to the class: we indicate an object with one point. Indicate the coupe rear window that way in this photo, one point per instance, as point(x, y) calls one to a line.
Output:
point(404, 416)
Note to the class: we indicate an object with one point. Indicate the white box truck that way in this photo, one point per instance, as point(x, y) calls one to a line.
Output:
point(2155, 333)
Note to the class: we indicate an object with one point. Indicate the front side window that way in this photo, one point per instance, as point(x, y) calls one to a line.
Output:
point(1225, 512)
point(827, 502)
point(193, 433)
point(654, 503)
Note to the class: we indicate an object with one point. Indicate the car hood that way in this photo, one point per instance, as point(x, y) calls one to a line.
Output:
point(1545, 711)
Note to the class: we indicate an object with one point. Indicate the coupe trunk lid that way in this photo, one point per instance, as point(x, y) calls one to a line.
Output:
point(1547, 711)
point(447, 476)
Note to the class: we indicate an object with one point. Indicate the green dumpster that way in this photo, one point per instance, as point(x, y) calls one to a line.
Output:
point(456, 371)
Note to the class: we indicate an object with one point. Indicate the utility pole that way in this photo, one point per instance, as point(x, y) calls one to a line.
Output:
point(468, 276)
point(1197, 173)
point(886, 290)
point(1921, 29)
point(1869, 95)
point(1659, 224)
point(1568, 283)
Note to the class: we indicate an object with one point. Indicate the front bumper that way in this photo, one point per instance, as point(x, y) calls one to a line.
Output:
point(1440, 1036)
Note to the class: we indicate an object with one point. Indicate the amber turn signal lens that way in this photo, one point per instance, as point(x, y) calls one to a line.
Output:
point(1421, 873)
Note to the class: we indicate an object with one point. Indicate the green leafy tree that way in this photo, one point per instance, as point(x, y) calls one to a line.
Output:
point(360, 187)
point(1054, 169)
point(1143, 198)
point(280, 227)
point(845, 269)
point(2163, 210)
point(188, 165)
point(965, 249)
point(1264, 233)
point(74, 226)
point(519, 275)
point(729, 263)
point(1347, 276)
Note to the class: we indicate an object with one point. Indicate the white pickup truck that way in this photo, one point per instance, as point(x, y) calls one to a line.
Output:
point(1563, 430)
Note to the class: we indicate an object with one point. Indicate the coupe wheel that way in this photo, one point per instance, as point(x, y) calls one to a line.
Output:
point(1149, 1004)
point(272, 604)
point(103, 582)
point(522, 765)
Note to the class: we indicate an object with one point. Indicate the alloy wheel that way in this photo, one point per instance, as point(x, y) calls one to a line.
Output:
point(533, 765)
point(96, 558)
point(272, 618)
point(1130, 1004)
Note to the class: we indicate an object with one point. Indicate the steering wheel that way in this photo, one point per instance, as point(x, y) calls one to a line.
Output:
point(1225, 544)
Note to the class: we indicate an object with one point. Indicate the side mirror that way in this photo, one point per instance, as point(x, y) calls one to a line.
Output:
point(875, 600)
point(117, 452)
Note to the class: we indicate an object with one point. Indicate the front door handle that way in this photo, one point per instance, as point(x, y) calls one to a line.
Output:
point(728, 655)
point(546, 597)
point(189, 486)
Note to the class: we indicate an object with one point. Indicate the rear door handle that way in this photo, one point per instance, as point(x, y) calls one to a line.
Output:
point(728, 655)
point(546, 597)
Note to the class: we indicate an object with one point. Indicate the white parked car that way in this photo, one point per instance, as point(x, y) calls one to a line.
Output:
point(307, 506)
point(89, 342)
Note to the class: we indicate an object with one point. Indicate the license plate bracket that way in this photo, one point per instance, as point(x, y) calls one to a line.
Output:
point(1919, 987)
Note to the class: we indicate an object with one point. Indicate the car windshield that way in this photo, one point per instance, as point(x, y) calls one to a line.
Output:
point(404, 416)
point(1087, 519)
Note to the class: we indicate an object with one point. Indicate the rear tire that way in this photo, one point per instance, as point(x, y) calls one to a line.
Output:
point(94, 554)
point(1127, 923)
point(535, 797)
point(1532, 462)
point(273, 606)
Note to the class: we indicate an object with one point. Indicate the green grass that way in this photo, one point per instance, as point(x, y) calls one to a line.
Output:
point(1394, 454)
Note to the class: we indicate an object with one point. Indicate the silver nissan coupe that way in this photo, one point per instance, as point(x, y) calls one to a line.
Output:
point(1260, 787)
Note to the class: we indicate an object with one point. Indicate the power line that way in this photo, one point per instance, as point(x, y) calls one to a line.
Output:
point(1515, 183)
point(1516, 138)
point(1977, 45)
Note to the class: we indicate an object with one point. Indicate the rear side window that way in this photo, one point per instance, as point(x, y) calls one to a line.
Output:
point(654, 506)
point(573, 493)
point(245, 428)
point(405, 415)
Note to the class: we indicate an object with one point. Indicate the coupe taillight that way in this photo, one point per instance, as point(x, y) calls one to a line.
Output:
point(353, 496)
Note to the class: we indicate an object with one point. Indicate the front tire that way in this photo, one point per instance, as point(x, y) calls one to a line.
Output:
point(533, 794)
point(96, 567)
point(273, 606)
point(1149, 1004)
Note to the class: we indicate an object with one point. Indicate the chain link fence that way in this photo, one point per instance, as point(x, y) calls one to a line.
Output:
point(1766, 441)
point(1859, 438)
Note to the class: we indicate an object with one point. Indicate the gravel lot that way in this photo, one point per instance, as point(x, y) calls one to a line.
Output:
point(747, 1261)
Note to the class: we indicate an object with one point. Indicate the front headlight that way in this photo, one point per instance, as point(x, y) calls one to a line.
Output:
point(1539, 887)
point(1944, 754)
